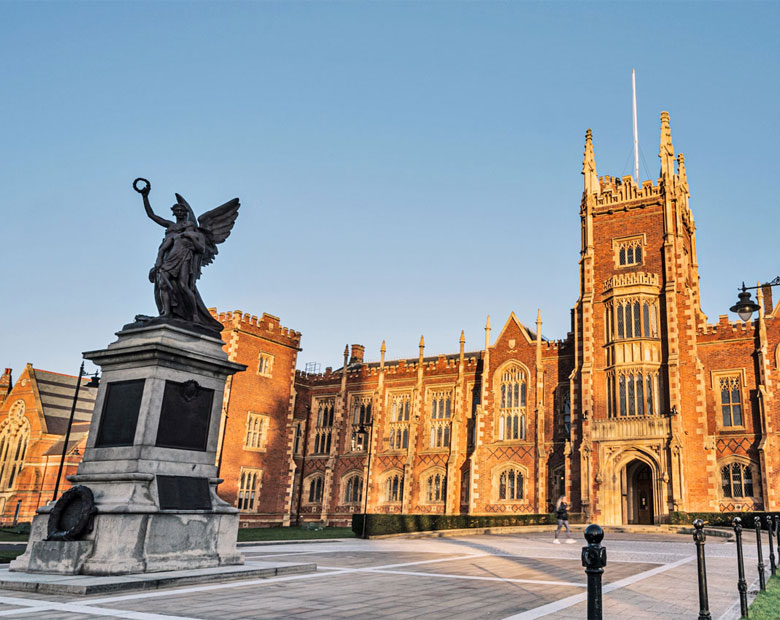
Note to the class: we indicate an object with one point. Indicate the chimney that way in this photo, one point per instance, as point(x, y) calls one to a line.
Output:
point(766, 289)
point(6, 383)
point(357, 355)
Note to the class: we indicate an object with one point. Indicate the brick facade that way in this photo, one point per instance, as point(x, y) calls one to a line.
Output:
point(644, 408)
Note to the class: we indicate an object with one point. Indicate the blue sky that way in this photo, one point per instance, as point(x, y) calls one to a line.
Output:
point(404, 168)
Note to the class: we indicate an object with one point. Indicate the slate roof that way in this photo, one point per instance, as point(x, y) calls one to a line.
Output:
point(77, 433)
point(56, 393)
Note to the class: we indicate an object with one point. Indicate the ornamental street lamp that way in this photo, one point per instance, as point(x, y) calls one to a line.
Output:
point(745, 306)
point(93, 383)
point(364, 432)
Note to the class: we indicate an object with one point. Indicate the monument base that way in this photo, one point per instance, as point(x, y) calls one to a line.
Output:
point(123, 543)
point(145, 499)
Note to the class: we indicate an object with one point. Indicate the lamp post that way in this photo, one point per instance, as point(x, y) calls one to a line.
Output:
point(93, 382)
point(365, 430)
point(745, 307)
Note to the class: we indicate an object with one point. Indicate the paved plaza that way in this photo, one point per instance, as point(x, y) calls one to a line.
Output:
point(506, 577)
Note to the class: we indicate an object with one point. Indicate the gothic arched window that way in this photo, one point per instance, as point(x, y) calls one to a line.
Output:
point(737, 480)
point(353, 489)
point(511, 411)
point(510, 484)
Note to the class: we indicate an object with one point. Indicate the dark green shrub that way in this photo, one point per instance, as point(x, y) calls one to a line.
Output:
point(718, 518)
point(380, 524)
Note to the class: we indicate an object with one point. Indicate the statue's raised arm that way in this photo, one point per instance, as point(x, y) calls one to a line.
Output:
point(187, 246)
point(144, 191)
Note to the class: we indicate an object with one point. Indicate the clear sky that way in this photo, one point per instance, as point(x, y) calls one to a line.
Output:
point(404, 168)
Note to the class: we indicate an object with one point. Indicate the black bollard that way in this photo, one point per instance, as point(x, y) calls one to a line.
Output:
point(594, 559)
point(761, 576)
point(699, 537)
point(741, 585)
point(770, 526)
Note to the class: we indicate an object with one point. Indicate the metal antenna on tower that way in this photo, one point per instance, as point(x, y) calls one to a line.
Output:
point(636, 133)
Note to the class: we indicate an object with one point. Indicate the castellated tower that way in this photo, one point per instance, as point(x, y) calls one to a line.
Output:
point(639, 447)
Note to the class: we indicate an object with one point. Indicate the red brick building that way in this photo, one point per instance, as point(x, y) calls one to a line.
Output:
point(34, 416)
point(643, 409)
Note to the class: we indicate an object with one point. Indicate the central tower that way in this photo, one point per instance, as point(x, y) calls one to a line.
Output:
point(639, 298)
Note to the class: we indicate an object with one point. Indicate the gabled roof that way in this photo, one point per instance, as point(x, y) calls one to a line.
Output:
point(56, 396)
point(529, 334)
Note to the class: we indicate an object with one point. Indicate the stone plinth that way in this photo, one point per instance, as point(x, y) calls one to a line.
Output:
point(150, 462)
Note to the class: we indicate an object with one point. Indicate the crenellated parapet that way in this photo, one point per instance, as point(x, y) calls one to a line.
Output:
point(635, 278)
point(615, 190)
point(267, 325)
point(725, 329)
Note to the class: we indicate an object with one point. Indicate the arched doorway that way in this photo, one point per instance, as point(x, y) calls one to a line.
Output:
point(637, 492)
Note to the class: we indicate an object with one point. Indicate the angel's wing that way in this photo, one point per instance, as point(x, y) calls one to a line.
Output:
point(181, 201)
point(217, 225)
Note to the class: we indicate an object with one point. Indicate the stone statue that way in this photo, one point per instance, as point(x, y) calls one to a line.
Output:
point(188, 245)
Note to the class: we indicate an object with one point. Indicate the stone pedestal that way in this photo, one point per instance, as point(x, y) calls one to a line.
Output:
point(150, 462)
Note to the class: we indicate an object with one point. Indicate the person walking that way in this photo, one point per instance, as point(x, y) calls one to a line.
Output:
point(562, 514)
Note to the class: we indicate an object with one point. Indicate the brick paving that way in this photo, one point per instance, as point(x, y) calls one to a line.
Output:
point(507, 577)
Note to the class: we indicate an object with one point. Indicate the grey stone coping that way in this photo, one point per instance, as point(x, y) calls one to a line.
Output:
point(94, 584)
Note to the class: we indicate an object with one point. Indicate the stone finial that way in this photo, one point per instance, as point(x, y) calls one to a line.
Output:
point(589, 166)
point(422, 342)
point(666, 151)
point(346, 354)
point(681, 173)
point(382, 351)
point(487, 333)
point(462, 336)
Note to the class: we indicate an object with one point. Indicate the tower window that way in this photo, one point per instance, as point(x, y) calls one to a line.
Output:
point(628, 252)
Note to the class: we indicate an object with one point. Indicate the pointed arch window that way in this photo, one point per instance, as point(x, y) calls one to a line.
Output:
point(510, 484)
point(353, 489)
point(637, 392)
point(512, 404)
point(394, 488)
point(435, 488)
point(737, 480)
point(400, 405)
point(14, 440)
point(315, 489)
point(441, 414)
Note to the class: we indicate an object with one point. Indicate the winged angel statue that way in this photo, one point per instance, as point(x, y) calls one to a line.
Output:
point(188, 246)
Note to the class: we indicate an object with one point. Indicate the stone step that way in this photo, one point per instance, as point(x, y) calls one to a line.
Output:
point(91, 584)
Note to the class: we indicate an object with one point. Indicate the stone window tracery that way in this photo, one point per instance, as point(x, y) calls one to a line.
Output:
point(353, 489)
point(633, 392)
point(435, 487)
point(731, 400)
point(510, 484)
point(737, 480)
point(256, 431)
point(324, 430)
point(361, 417)
point(265, 364)
point(441, 414)
point(249, 489)
point(634, 317)
point(394, 488)
point(315, 485)
point(512, 404)
point(400, 405)
point(14, 438)
point(628, 252)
